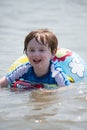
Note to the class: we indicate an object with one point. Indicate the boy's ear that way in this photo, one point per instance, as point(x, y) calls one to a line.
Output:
point(54, 53)
point(26, 52)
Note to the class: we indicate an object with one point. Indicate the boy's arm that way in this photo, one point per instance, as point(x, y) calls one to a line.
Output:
point(3, 82)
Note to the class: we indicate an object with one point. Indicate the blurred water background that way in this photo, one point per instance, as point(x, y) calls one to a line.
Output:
point(36, 110)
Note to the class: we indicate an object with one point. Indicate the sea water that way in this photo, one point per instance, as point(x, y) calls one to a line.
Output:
point(65, 109)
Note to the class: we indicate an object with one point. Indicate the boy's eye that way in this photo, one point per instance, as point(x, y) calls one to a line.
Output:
point(32, 50)
point(41, 50)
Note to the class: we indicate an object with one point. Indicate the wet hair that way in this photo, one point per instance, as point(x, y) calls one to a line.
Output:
point(42, 36)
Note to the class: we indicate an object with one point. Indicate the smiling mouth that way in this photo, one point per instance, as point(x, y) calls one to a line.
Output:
point(37, 61)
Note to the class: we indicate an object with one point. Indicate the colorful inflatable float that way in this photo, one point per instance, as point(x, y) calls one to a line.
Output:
point(72, 64)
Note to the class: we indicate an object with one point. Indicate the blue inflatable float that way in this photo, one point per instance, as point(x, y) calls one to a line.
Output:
point(72, 64)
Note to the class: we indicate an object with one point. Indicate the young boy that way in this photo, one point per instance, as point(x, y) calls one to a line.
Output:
point(40, 47)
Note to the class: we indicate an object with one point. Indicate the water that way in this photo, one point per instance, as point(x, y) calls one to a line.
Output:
point(38, 110)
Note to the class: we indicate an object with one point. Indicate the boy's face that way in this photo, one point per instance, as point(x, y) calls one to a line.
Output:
point(39, 54)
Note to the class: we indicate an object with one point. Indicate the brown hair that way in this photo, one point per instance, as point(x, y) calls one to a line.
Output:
point(42, 36)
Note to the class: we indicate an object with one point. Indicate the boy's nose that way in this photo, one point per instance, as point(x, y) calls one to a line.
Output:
point(36, 53)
